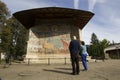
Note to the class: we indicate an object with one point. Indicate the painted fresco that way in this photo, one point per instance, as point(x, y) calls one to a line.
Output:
point(52, 44)
point(49, 39)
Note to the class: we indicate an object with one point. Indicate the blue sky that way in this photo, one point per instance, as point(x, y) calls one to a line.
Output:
point(105, 24)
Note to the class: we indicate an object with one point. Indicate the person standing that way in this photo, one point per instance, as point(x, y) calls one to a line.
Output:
point(84, 55)
point(7, 60)
point(74, 48)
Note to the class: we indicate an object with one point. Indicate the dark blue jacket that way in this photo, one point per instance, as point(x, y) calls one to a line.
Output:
point(74, 47)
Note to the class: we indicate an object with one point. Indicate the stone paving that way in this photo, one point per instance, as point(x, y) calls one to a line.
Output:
point(108, 70)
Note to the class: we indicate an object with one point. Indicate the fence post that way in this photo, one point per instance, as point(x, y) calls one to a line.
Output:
point(48, 61)
point(28, 61)
point(65, 60)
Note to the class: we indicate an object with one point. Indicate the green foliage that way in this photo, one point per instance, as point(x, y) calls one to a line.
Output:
point(96, 49)
point(21, 41)
point(6, 38)
point(5, 30)
point(12, 34)
point(19, 38)
point(94, 39)
point(4, 13)
point(104, 43)
point(94, 46)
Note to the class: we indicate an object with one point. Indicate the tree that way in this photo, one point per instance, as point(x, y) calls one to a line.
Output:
point(103, 44)
point(4, 13)
point(94, 45)
point(19, 38)
point(94, 39)
point(96, 49)
point(12, 34)
point(5, 32)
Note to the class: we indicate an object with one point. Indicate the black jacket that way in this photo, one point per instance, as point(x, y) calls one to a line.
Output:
point(74, 47)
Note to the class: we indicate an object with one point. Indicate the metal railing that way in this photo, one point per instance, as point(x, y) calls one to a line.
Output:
point(47, 60)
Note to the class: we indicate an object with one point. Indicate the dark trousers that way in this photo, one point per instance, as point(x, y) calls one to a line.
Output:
point(75, 64)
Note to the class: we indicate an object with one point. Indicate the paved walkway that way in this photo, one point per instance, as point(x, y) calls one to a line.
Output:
point(108, 70)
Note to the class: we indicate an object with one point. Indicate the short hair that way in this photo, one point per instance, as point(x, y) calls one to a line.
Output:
point(82, 42)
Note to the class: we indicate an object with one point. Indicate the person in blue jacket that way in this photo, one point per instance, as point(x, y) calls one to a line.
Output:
point(84, 55)
point(74, 48)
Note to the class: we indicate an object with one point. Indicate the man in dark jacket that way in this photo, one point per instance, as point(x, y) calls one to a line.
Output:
point(74, 49)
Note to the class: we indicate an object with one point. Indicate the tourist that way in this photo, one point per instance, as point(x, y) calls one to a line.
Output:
point(7, 60)
point(84, 55)
point(74, 48)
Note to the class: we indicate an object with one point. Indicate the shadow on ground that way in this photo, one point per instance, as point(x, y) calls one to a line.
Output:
point(57, 71)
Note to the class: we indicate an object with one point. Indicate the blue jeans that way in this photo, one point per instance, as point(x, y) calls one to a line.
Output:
point(84, 61)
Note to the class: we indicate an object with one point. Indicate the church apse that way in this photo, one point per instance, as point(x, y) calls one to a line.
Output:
point(51, 29)
point(50, 36)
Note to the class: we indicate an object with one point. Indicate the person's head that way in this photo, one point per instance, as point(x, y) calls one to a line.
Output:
point(74, 38)
point(82, 42)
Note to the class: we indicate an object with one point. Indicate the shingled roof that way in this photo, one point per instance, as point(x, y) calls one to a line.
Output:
point(27, 17)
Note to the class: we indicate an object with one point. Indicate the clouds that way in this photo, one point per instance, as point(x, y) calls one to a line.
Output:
point(91, 4)
point(76, 4)
point(102, 32)
point(105, 23)
point(19, 5)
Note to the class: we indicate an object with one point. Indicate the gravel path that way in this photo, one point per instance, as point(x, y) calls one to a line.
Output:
point(108, 70)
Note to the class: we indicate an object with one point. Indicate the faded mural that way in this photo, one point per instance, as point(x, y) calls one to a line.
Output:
point(51, 38)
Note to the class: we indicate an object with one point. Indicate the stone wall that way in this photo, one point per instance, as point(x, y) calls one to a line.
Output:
point(50, 37)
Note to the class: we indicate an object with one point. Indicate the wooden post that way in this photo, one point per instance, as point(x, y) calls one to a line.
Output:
point(48, 61)
point(65, 60)
point(28, 61)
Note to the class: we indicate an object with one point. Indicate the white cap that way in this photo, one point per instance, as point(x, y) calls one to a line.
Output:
point(74, 37)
